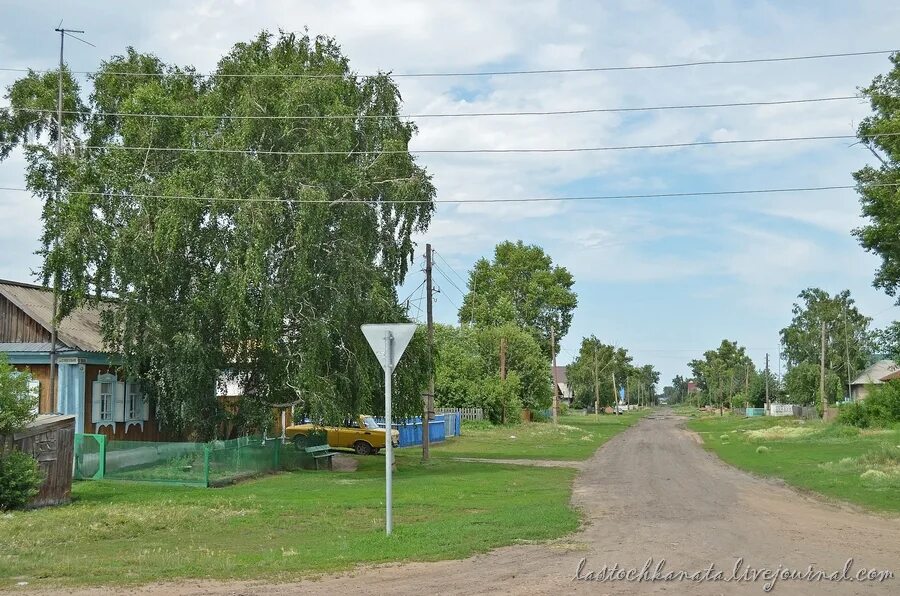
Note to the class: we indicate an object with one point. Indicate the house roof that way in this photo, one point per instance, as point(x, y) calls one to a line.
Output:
point(560, 374)
point(80, 330)
point(876, 373)
point(892, 376)
point(28, 347)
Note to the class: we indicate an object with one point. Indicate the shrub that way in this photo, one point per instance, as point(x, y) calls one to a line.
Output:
point(883, 404)
point(854, 414)
point(20, 479)
point(762, 449)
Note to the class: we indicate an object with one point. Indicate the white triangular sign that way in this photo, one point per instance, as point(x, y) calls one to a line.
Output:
point(375, 335)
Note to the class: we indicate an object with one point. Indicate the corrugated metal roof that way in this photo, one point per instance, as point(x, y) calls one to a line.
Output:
point(28, 347)
point(80, 330)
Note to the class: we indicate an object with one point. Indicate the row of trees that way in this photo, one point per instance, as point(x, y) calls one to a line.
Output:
point(727, 375)
point(600, 370)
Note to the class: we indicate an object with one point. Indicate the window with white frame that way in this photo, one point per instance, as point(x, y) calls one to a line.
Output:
point(107, 400)
point(134, 402)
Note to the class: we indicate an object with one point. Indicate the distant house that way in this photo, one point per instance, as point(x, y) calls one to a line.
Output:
point(566, 395)
point(874, 375)
point(891, 377)
point(89, 384)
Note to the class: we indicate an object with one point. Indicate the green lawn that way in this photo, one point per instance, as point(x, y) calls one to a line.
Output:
point(835, 460)
point(283, 526)
point(575, 438)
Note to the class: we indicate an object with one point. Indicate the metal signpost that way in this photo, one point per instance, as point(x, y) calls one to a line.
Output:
point(388, 342)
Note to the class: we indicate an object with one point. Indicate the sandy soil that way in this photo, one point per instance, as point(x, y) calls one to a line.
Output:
point(651, 492)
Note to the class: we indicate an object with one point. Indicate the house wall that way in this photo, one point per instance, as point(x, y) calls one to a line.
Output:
point(860, 391)
point(41, 373)
point(16, 326)
point(151, 430)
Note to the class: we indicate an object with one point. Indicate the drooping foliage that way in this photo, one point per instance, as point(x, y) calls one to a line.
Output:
point(879, 187)
point(251, 235)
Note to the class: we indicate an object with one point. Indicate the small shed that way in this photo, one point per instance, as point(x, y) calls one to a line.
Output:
point(50, 439)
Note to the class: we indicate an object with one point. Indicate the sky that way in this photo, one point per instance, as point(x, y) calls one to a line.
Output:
point(667, 278)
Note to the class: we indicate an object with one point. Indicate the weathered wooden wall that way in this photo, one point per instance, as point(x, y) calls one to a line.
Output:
point(51, 441)
point(16, 326)
point(41, 373)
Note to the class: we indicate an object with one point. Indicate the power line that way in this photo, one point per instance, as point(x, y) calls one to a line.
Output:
point(413, 292)
point(477, 201)
point(351, 152)
point(492, 73)
point(443, 115)
point(439, 291)
point(460, 277)
point(450, 281)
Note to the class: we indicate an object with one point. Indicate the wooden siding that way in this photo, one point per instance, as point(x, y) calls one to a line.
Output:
point(40, 373)
point(18, 327)
point(151, 430)
point(51, 441)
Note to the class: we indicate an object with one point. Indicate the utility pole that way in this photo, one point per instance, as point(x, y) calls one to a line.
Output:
point(429, 398)
point(847, 348)
point(555, 384)
point(596, 386)
point(767, 382)
point(822, 373)
point(615, 394)
point(503, 371)
point(59, 151)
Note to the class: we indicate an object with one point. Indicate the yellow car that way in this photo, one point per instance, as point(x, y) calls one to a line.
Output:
point(362, 435)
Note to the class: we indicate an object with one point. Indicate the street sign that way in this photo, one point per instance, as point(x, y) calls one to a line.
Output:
point(401, 333)
point(388, 341)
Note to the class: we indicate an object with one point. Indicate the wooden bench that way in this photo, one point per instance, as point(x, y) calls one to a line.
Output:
point(318, 452)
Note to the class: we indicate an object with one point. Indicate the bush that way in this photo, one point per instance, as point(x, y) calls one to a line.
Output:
point(883, 404)
point(880, 408)
point(20, 479)
point(854, 414)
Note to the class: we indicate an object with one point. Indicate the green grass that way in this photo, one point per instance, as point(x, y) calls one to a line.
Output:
point(576, 438)
point(284, 526)
point(830, 459)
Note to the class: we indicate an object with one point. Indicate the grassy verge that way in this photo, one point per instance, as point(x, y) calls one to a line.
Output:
point(575, 438)
point(862, 467)
point(282, 527)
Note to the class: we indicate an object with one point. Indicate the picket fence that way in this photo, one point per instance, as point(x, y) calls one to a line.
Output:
point(465, 413)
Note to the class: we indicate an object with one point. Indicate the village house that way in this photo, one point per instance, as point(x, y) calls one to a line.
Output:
point(874, 375)
point(89, 384)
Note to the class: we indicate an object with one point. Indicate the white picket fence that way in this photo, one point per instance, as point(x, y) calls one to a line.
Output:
point(781, 409)
point(465, 413)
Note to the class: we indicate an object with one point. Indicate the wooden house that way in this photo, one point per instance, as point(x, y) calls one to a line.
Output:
point(89, 384)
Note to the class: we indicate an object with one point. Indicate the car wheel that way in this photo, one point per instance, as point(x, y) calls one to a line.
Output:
point(362, 448)
point(300, 442)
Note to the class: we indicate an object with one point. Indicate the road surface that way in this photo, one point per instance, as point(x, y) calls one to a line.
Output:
point(650, 492)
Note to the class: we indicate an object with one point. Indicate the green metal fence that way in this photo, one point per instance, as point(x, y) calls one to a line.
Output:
point(191, 464)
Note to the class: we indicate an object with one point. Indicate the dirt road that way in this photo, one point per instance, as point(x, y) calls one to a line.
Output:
point(651, 492)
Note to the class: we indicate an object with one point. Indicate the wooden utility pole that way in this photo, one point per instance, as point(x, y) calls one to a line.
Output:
point(615, 394)
point(822, 373)
point(555, 384)
point(596, 386)
point(767, 382)
point(503, 372)
point(429, 398)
